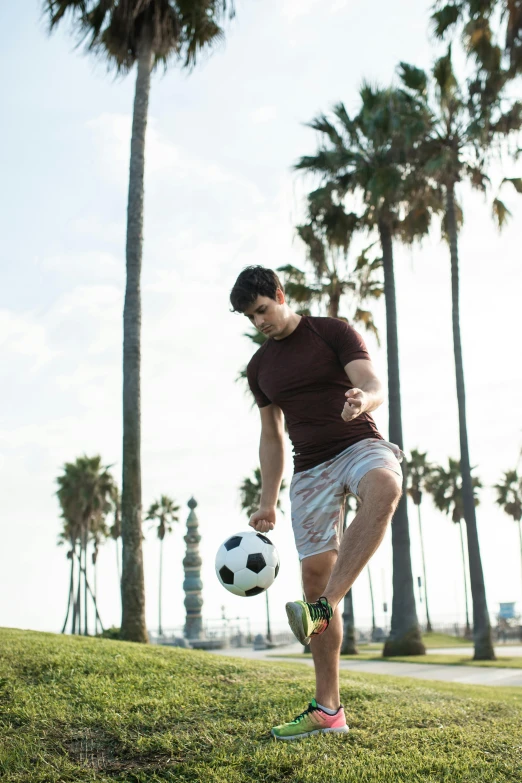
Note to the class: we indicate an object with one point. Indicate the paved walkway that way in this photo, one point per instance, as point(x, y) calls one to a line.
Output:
point(469, 675)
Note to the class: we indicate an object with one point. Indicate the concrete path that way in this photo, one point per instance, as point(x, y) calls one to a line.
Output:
point(469, 675)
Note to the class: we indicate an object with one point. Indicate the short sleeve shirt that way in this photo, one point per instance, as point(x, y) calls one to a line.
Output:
point(304, 375)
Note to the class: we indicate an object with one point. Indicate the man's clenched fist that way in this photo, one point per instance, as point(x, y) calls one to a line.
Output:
point(263, 520)
point(355, 404)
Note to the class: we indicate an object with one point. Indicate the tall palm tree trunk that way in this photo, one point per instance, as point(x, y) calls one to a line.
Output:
point(374, 626)
point(348, 646)
point(428, 621)
point(160, 626)
point(96, 597)
point(85, 613)
point(268, 627)
point(405, 634)
point(133, 626)
point(464, 569)
point(334, 300)
point(93, 597)
point(74, 603)
point(74, 620)
point(481, 622)
point(79, 592)
point(70, 600)
point(520, 543)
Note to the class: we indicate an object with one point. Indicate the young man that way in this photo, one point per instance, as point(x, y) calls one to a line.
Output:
point(316, 372)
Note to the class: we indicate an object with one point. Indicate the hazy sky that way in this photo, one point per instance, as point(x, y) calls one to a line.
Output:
point(220, 194)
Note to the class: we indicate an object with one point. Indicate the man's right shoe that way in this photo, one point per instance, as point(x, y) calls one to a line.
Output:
point(308, 620)
point(312, 721)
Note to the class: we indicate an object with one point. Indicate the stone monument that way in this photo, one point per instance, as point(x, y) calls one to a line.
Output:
point(192, 584)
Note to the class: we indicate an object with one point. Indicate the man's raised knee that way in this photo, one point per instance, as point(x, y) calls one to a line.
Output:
point(316, 572)
point(381, 486)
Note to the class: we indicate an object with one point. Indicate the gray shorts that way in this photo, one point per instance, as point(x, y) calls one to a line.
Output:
point(318, 495)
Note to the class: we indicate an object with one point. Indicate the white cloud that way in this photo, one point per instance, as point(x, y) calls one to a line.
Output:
point(46, 433)
point(92, 265)
point(291, 9)
point(263, 114)
point(162, 158)
point(94, 227)
point(21, 335)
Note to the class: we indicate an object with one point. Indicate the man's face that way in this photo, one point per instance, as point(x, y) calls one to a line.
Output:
point(268, 315)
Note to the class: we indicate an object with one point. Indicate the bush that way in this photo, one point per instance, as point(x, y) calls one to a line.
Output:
point(110, 633)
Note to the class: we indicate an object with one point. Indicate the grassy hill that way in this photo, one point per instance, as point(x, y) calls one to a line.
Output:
point(74, 709)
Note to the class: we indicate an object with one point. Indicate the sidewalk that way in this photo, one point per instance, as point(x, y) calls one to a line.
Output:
point(469, 675)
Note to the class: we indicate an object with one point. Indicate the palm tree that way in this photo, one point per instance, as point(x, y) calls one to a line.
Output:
point(349, 646)
point(365, 155)
point(94, 558)
point(474, 18)
point(418, 471)
point(148, 34)
point(115, 532)
point(250, 498)
point(86, 491)
point(370, 584)
point(509, 498)
point(327, 234)
point(165, 512)
point(446, 487)
point(69, 535)
point(461, 132)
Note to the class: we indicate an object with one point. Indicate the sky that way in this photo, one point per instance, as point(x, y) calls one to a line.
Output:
point(220, 194)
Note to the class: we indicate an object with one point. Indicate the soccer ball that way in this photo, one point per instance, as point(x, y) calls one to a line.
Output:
point(247, 563)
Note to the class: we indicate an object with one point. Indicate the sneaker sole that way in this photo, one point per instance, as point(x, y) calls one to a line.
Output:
point(341, 730)
point(295, 620)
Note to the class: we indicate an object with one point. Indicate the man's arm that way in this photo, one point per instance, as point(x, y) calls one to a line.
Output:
point(367, 393)
point(271, 456)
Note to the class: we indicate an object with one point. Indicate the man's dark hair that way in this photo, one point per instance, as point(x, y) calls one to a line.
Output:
point(254, 281)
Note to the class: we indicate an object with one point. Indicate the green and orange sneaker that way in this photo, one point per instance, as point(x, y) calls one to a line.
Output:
point(308, 620)
point(312, 721)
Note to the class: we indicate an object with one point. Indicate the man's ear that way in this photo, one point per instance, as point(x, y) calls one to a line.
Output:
point(280, 297)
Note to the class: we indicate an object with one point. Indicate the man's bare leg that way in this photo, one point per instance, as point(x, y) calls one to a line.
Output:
point(332, 575)
point(325, 648)
point(379, 491)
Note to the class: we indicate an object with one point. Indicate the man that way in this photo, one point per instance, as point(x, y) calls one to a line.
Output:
point(316, 372)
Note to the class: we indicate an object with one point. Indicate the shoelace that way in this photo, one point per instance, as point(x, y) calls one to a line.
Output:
point(302, 715)
point(320, 610)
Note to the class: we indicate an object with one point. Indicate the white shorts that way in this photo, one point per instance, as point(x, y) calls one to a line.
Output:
point(318, 495)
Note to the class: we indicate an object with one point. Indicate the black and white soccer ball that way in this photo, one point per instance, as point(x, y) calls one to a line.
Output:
point(247, 563)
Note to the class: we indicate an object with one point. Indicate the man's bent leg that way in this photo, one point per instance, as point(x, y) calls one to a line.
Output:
point(316, 571)
point(379, 491)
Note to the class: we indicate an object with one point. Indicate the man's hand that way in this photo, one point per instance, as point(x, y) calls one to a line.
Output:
point(263, 520)
point(356, 403)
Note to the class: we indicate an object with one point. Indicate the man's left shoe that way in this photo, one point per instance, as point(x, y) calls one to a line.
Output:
point(312, 721)
point(308, 620)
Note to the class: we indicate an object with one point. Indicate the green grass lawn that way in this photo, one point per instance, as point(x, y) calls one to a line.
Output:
point(74, 709)
point(503, 662)
point(431, 640)
point(367, 652)
point(434, 640)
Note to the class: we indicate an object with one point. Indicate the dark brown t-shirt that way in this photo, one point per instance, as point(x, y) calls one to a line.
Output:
point(304, 375)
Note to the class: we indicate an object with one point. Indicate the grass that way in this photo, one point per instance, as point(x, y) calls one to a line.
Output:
point(74, 709)
point(503, 662)
point(432, 641)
